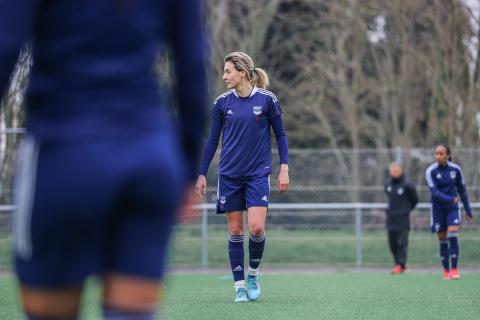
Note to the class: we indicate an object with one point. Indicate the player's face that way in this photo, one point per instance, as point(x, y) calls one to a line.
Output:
point(232, 77)
point(441, 155)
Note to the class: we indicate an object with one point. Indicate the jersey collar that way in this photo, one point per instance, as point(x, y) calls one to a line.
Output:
point(254, 90)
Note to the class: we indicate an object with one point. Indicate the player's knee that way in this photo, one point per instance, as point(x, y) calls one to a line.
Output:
point(131, 293)
point(47, 304)
point(236, 230)
point(453, 228)
point(257, 230)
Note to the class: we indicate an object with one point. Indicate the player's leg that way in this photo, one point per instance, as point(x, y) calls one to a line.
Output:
point(444, 253)
point(231, 200)
point(149, 194)
point(39, 304)
point(130, 297)
point(236, 253)
point(256, 246)
point(453, 221)
point(257, 194)
point(439, 225)
point(56, 238)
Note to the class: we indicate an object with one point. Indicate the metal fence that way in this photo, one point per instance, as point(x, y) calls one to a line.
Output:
point(333, 213)
point(303, 234)
point(356, 228)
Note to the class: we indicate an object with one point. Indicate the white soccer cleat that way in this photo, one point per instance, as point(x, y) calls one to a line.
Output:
point(241, 295)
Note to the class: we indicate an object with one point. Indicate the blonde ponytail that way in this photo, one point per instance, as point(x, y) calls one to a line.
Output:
point(242, 61)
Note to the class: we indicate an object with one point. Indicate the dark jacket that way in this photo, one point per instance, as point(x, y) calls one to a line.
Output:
point(402, 198)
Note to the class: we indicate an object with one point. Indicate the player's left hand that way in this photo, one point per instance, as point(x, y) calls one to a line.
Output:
point(187, 212)
point(469, 218)
point(283, 179)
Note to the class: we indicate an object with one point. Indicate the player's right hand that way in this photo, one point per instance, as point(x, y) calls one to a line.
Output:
point(201, 186)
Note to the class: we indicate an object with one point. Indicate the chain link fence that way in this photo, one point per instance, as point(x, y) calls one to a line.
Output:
point(301, 236)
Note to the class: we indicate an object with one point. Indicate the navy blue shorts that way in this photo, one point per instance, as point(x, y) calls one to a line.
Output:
point(94, 207)
point(241, 194)
point(442, 218)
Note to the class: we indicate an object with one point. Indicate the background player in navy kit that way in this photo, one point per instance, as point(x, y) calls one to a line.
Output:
point(445, 179)
point(245, 114)
point(402, 198)
point(103, 168)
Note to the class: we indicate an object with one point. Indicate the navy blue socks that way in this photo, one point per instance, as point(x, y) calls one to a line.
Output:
point(453, 250)
point(256, 245)
point(444, 256)
point(236, 256)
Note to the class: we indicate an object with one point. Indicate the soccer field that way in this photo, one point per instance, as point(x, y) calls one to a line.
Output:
point(324, 295)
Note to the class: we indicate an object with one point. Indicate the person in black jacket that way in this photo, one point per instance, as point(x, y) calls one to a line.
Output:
point(402, 198)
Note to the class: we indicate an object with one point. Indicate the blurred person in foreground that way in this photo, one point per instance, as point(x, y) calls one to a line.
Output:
point(402, 199)
point(104, 166)
point(447, 185)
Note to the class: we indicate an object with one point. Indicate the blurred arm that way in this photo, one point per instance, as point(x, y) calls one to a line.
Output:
point(189, 48)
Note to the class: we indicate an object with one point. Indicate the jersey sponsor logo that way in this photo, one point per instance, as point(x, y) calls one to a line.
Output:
point(257, 110)
point(453, 174)
point(439, 176)
point(223, 199)
point(400, 191)
point(230, 111)
point(389, 189)
point(238, 268)
point(264, 198)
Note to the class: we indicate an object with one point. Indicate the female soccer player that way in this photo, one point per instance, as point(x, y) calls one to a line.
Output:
point(446, 182)
point(245, 114)
point(101, 172)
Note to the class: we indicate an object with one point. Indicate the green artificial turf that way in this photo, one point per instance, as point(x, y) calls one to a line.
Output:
point(301, 295)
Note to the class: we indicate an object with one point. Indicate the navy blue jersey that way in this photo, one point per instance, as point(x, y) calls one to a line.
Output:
point(246, 143)
point(445, 182)
point(93, 64)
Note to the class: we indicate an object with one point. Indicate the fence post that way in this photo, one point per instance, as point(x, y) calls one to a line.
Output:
point(358, 238)
point(205, 239)
point(398, 154)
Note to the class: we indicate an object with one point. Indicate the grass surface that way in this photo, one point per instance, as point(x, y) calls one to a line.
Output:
point(303, 296)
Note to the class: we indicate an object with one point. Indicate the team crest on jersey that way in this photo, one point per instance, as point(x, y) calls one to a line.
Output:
point(439, 176)
point(453, 174)
point(400, 191)
point(257, 110)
